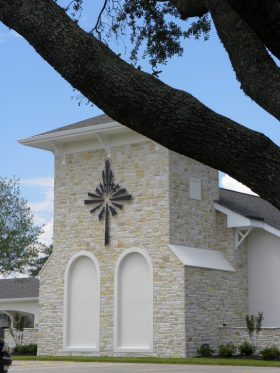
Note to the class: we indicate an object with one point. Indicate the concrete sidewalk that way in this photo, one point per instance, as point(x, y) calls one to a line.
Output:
point(71, 367)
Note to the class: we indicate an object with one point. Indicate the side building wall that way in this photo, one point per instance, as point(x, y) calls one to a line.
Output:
point(212, 298)
point(143, 224)
point(216, 300)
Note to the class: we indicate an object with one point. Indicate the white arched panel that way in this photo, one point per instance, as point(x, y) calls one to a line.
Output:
point(134, 302)
point(82, 303)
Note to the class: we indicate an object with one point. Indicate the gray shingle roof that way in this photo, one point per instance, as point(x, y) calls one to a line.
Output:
point(99, 119)
point(252, 207)
point(19, 288)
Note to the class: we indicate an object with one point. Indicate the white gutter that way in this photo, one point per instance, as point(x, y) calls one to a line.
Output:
point(8, 300)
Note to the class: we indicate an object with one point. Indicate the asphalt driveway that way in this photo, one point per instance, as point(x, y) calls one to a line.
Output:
point(70, 367)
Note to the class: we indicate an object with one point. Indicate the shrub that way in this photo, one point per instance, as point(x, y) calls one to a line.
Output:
point(247, 348)
point(270, 353)
point(254, 323)
point(204, 350)
point(30, 349)
point(227, 350)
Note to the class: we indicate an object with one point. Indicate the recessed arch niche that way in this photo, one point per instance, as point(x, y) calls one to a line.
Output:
point(82, 303)
point(134, 302)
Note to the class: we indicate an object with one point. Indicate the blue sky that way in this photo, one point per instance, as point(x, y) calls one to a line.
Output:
point(34, 98)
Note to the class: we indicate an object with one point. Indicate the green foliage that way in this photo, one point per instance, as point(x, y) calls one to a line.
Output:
point(204, 350)
point(18, 234)
point(227, 350)
point(259, 321)
point(37, 264)
point(254, 323)
point(155, 27)
point(30, 349)
point(270, 353)
point(247, 348)
point(20, 322)
point(250, 324)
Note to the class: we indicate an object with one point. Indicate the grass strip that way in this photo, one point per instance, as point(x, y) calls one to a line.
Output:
point(155, 360)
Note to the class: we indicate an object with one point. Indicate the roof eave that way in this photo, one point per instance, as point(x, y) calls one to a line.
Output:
point(97, 134)
point(45, 141)
point(236, 220)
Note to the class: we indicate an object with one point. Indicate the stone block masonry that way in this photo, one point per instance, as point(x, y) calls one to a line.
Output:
point(30, 335)
point(143, 223)
point(189, 304)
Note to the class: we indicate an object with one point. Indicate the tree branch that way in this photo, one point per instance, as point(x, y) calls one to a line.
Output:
point(264, 18)
point(255, 69)
point(168, 116)
point(191, 8)
point(96, 28)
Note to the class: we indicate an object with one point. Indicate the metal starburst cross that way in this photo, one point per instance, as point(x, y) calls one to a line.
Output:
point(107, 198)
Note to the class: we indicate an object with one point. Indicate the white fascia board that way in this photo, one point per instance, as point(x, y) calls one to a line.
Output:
point(201, 258)
point(17, 300)
point(235, 220)
point(63, 135)
point(85, 138)
point(272, 230)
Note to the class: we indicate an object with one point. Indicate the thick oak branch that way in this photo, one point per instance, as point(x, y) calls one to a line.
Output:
point(191, 8)
point(255, 69)
point(171, 117)
point(264, 18)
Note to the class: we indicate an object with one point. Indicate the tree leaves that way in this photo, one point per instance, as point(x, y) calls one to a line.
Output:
point(155, 29)
point(18, 234)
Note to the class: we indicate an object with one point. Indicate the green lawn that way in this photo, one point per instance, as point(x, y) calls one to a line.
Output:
point(154, 360)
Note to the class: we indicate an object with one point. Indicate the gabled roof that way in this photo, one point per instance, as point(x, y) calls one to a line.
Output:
point(19, 288)
point(100, 132)
point(99, 119)
point(250, 206)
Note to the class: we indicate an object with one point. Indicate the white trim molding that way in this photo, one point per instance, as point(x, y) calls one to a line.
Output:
point(235, 220)
point(146, 256)
point(72, 260)
point(102, 136)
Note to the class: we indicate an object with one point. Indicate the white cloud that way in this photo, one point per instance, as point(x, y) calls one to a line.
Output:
point(46, 236)
point(228, 182)
point(46, 182)
point(4, 36)
point(15, 34)
point(42, 209)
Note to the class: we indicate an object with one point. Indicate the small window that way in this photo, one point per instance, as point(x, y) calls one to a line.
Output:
point(195, 188)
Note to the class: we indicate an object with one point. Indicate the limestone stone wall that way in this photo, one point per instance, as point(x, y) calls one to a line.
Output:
point(192, 221)
point(143, 223)
point(190, 304)
point(30, 335)
point(237, 335)
point(212, 297)
point(215, 298)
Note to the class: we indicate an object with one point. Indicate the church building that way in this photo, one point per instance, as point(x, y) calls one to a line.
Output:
point(150, 257)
